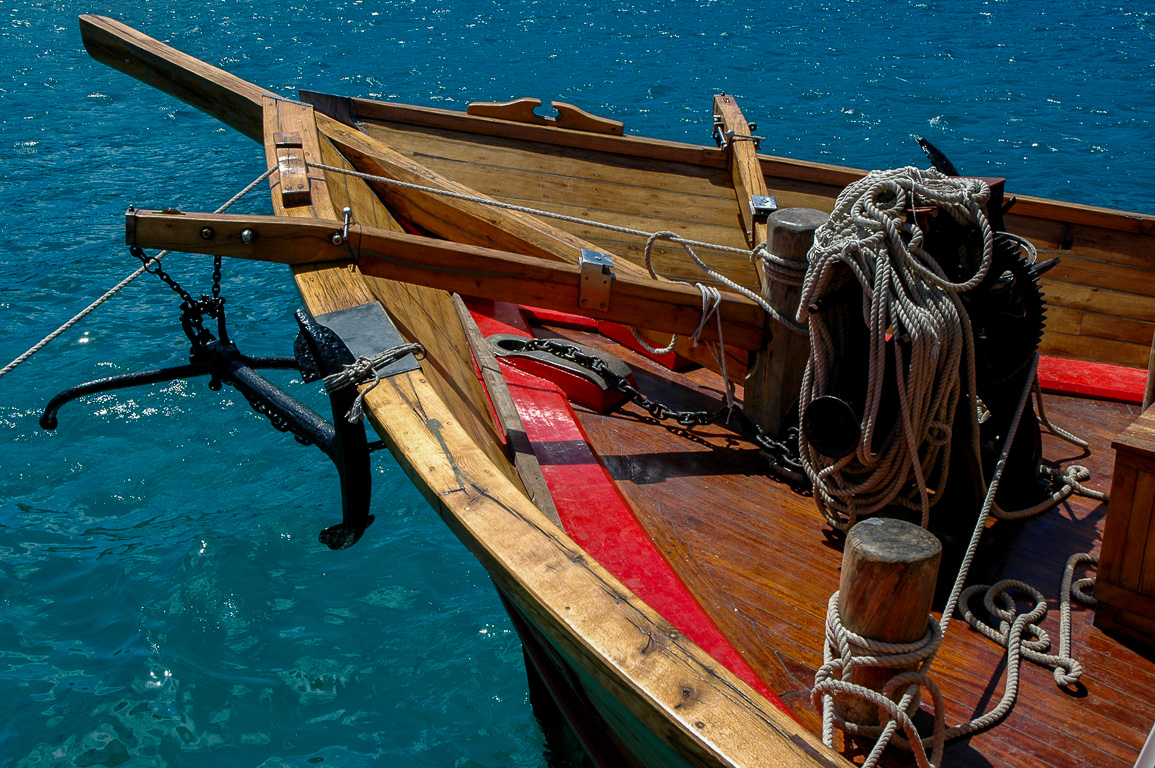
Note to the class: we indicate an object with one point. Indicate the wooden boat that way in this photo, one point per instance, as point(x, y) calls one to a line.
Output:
point(671, 595)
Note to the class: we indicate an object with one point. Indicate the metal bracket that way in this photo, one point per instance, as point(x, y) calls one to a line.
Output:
point(761, 206)
point(596, 279)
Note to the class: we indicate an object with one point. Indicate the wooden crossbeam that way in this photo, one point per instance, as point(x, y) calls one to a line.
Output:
point(465, 269)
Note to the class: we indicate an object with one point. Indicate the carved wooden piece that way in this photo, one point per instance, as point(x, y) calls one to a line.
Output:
point(292, 173)
point(889, 568)
point(568, 117)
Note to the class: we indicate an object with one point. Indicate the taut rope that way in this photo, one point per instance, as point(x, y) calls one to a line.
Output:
point(121, 285)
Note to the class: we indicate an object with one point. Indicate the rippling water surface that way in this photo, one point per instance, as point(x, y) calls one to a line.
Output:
point(163, 599)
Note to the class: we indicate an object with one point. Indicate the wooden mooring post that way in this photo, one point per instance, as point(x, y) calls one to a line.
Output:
point(889, 571)
point(774, 378)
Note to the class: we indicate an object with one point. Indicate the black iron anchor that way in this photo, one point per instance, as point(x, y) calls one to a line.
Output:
point(319, 353)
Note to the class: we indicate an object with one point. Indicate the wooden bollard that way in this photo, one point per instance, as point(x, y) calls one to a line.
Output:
point(774, 378)
point(889, 570)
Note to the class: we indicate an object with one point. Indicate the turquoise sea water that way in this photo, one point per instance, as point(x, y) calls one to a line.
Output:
point(163, 599)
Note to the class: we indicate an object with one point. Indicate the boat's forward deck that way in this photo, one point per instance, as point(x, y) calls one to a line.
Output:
point(763, 563)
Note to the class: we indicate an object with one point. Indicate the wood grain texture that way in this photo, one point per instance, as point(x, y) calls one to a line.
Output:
point(524, 459)
point(763, 564)
point(226, 97)
point(449, 266)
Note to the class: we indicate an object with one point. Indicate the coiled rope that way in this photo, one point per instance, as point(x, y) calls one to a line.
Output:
point(120, 286)
point(907, 296)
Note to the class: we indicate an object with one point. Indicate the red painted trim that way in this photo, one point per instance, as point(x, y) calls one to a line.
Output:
point(598, 517)
point(560, 319)
point(619, 333)
point(1098, 380)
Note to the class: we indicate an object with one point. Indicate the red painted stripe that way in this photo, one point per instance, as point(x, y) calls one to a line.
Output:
point(595, 514)
point(1098, 380)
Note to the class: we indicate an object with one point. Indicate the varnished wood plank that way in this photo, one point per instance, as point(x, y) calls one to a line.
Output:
point(228, 98)
point(563, 163)
point(1095, 349)
point(528, 468)
point(449, 266)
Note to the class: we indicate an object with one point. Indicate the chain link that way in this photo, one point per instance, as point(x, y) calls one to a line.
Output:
point(783, 456)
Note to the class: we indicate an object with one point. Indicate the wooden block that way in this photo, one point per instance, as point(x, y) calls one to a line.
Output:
point(889, 571)
point(1125, 587)
point(293, 171)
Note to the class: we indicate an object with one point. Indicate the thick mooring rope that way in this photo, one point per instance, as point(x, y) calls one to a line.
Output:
point(121, 285)
point(906, 296)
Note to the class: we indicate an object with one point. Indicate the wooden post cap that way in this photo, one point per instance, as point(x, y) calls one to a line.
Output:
point(774, 377)
point(795, 221)
point(889, 570)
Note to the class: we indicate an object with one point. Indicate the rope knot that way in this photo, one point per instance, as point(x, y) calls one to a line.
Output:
point(362, 370)
point(844, 652)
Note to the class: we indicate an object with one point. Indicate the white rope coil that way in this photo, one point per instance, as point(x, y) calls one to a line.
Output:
point(907, 298)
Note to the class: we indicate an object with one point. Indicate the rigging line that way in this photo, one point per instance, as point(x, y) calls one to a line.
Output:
point(119, 286)
point(534, 211)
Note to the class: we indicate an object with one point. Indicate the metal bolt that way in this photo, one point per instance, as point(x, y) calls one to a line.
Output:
point(247, 236)
point(207, 233)
point(337, 239)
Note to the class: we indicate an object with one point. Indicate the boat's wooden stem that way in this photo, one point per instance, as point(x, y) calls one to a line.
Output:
point(228, 98)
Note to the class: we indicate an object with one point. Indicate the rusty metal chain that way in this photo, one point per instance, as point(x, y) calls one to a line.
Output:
point(783, 456)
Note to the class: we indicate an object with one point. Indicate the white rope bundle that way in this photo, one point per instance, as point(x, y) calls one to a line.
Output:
point(907, 297)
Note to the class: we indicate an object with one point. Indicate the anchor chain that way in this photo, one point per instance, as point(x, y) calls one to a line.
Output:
point(193, 314)
point(783, 456)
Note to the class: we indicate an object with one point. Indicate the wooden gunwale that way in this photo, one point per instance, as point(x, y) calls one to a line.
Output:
point(1106, 256)
point(772, 166)
point(674, 690)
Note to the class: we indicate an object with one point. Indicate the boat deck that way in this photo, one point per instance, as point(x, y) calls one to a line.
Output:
point(763, 563)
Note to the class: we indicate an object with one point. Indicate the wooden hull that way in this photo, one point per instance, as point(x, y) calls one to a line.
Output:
point(750, 554)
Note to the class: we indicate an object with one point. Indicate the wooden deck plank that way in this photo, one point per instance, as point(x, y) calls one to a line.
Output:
point(765, 578)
